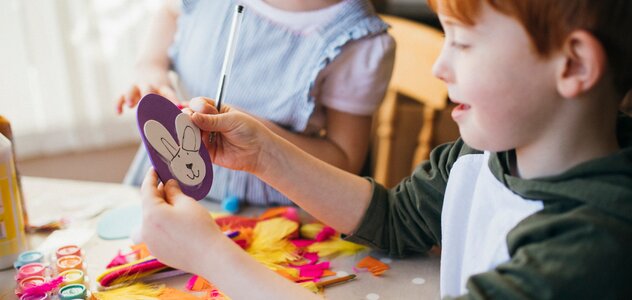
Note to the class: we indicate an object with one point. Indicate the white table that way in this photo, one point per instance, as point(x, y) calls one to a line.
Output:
point(412, 278)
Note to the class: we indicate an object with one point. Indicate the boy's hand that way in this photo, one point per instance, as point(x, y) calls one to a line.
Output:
point(176, 228)
point(240, 140)
point(138, 91)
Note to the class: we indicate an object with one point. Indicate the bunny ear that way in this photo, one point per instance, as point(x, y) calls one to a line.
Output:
point(188, 133)
point(160, 139)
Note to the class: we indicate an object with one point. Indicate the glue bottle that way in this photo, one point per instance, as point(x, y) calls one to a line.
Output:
point(12, 236)
point(5, 129)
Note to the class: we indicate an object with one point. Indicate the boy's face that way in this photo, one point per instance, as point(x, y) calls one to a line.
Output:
point(504, 91)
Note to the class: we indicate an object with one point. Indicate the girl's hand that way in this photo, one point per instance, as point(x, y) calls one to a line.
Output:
point(240, 141)
point(138, 91)
point(176, 228)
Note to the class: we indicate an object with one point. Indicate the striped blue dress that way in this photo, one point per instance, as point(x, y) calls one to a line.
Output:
point(272, 75)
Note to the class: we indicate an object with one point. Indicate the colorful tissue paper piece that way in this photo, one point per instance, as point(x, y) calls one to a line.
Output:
point(142, 250)
point(311, 230)
point(121, 259)
point(236, 222)
point(131, 271)
point(374, 266)
point(199, 284)
point(174, 294)
point(275, 239)
point(139, 291)
point(335, 246)
point(325, 234)
point(313, 270)
point(288, 212)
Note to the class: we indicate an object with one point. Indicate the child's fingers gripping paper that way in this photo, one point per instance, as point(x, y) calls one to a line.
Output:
point(209, 123)
point(203, 105)
point(150, 191)
point(173, 193)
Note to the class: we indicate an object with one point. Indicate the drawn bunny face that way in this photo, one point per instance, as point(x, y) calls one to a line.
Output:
point(183, 158)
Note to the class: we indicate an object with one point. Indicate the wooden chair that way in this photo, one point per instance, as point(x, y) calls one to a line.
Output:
point(418, 46)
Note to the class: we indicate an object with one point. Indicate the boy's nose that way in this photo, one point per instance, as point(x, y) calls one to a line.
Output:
point(440, 68)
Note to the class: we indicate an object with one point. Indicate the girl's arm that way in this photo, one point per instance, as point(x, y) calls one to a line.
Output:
point(344, 145)
point(152, 66)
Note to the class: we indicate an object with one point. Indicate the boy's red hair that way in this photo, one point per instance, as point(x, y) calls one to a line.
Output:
point(549, 22)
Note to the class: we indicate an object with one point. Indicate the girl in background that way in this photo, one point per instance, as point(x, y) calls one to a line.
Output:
point(313, 71)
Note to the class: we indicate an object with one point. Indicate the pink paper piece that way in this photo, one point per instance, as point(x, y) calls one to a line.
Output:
point(191, 282)
point(120, 259)
point(291, 213)
point(325, 234)
point(315, 270)
point(301, 243)
point(312, 257)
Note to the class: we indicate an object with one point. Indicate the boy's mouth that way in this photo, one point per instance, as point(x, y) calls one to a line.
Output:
point(459, 110)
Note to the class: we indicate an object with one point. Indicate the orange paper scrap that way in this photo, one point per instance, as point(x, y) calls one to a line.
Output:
point(374, 266)
point(142, 250)
point(173, 294)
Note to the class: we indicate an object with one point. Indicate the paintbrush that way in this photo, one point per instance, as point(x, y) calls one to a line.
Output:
point(339, 280)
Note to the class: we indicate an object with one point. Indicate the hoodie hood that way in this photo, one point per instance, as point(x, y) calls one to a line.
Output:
point(604, 183)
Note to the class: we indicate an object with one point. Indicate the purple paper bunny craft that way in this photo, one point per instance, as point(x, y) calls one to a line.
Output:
point(174, 145)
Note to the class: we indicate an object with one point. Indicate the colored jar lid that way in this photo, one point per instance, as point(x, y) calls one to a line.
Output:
point(68, 250)
point(35, 297)
point(72, 277)
point(69, 262)
point(32, 269)
point(73, 291)
point(31, 282)
point(28, 257)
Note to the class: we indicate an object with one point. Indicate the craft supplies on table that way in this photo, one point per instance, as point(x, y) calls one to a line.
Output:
point(35, 297)
point(28, 257)
point(72, 277)
point(73, 291)
point(32, 269)
point(61, 275)
point(30, 282)
point(68, 250)
point(69, 262)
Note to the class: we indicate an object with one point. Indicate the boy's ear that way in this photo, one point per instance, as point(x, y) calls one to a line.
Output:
point(583, 65)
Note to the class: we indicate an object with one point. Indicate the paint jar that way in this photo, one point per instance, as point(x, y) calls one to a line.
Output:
point(32, 269)
point(68, 250)
point(35, 297)
point(69, 262)
point(72, 277)
point(73, 291)
point(12, 235)
point(29, 282)
point(28, 257)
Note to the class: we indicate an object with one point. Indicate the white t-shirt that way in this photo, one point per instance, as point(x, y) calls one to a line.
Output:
point(478, 212)
point(356, 81)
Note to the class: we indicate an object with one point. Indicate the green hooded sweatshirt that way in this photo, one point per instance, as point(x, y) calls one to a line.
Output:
point(574, 242)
